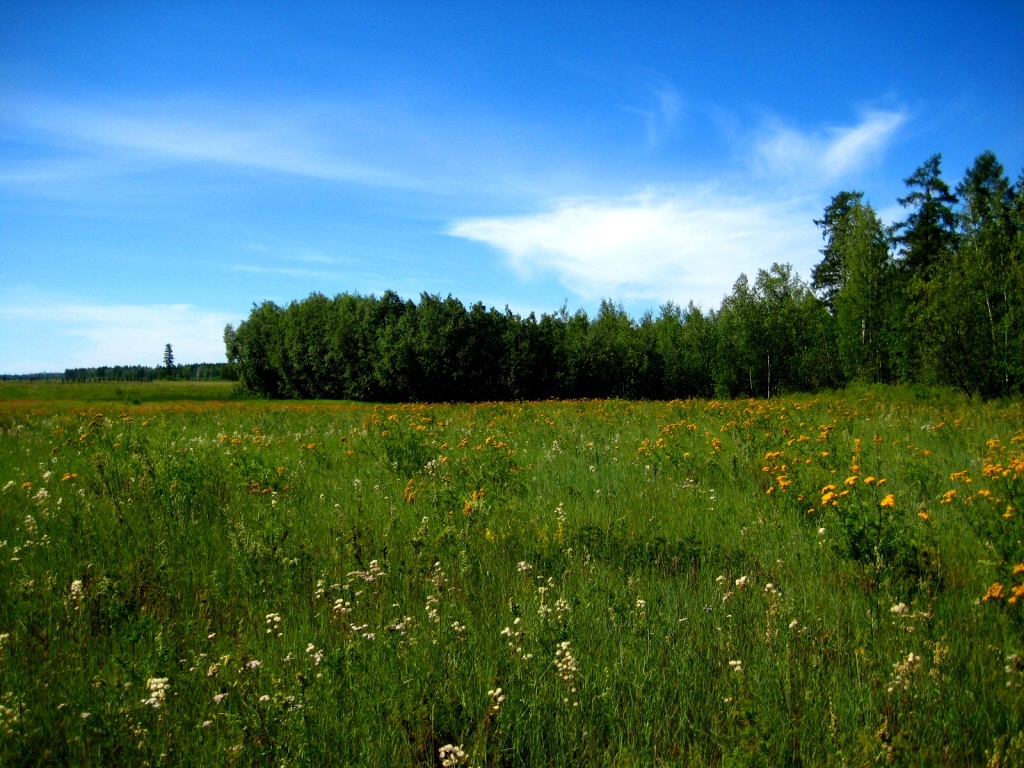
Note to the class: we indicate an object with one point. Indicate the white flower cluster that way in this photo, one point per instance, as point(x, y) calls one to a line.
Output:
point(9, 713)
point(903, 676)
point(1014, 670)
point(515, 638)
point(401, 626)
point(157, 692)
point(371, 574)
point(567, 667)
point(342, 607)
point(432, 603)
point(497, 698)
point(736, 665)
point(76, 592)
point(316, 655)
point(272, 620)
point(451, 755)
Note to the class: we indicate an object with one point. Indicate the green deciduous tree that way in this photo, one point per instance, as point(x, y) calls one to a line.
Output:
point(856, 277)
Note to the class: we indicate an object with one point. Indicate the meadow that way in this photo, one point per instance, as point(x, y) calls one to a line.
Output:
point(187, 578)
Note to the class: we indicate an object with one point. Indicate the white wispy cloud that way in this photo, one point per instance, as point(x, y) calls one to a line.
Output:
point(678, 245)
point(84, 335)
point(661, 117)
point(254, 141)
point(826, 154)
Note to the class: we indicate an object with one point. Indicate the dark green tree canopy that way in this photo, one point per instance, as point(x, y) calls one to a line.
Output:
point(929, 231)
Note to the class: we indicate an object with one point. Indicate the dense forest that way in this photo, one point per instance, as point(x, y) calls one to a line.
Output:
point(186, 372)
point(936, 298)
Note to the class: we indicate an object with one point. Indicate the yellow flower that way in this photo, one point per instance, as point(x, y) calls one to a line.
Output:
point(888, 501)
point(869, 480)
point(852, 480)
point(923, 515)
point(995, 592)
point(1017, 593)
point(1018, 569)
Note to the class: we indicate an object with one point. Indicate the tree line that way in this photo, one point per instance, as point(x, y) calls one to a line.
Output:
point(186, 372)
point(935, 298)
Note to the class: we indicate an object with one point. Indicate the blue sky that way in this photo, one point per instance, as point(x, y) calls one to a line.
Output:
point(165, 165)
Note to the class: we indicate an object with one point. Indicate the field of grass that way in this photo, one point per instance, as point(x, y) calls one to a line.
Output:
point(187, 579)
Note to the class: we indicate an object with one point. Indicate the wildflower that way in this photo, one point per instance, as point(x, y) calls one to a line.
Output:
point(794, 624)
point(157, 692)
point(253, 664)
point(264, 698)
point(1018, 569)
point(995, 592)
point(904, 673)
point(207, 723)
point(76, 592)
point(497, 697)
point(273, 619)
point(741, 581)
point(923, 515)
point(899, 609)
point(451, 755)
point(869, 480)
point(1016, 593)
point(565, 662)
point(821, 531)
point(736, 665)
point(888, 501)
point(219, 698)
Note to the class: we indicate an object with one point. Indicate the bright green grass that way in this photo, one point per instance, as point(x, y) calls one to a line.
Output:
point(114, 393)
point(643, 581)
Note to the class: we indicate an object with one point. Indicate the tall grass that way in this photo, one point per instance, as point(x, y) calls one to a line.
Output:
point(646, 583)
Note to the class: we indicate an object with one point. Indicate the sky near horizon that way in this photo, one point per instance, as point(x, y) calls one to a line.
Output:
point(165, 165)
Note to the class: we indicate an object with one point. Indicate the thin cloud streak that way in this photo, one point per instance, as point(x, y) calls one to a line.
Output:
point(254, 140)
point(678, 246)
point(826, 155)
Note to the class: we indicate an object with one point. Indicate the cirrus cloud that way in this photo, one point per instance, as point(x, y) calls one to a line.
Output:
point(829, 153)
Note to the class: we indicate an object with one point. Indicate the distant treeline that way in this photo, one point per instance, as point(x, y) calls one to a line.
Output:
point(45, 376)
point(188, 372)
point(937, 298)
